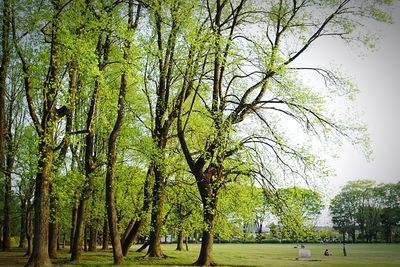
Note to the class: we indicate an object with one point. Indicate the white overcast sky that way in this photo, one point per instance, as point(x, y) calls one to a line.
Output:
point(377, 75)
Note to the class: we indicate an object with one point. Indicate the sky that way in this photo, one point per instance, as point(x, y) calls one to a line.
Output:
point(377, 76)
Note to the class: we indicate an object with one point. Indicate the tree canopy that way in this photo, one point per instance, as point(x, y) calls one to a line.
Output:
point(134, 118)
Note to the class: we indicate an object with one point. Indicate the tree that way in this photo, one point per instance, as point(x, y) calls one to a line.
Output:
point(4, 133)
point(106, 81)
point(46, 120)
point(343, 210)
point(390, 215)
point(162, 79)
point(101, 50)
point(248, 77)
point(111, 151)
point(367, 208)
point(296, 209)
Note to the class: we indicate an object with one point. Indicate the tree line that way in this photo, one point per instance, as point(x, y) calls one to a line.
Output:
point(125, 114)
point(366, 212)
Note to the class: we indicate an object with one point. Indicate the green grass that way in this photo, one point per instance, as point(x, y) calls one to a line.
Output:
point(239, 255)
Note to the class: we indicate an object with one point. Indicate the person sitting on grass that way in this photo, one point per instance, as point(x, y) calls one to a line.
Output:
point(326, 253)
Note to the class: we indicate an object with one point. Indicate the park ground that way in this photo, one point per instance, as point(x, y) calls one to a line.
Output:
point(237, 255)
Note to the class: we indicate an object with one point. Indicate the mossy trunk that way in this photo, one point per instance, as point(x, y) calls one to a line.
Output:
point(205, 257)
point(40, 253)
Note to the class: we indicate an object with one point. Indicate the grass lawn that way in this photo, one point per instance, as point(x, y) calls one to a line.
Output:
point(238, 255)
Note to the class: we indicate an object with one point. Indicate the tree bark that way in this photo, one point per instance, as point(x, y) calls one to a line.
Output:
point(7, 204)
point(93, 238)
point(105, 235)
point(22, 234)
point(53, 237)
point(79, 231)
point(110, 200)
point(40, 253)
point(85, 234)
point(110, 176)
point(5, 61)
point(209, 200)
point(73, 226)
point(28, 229)
point(132, 235)
point(157, 215)
point(179, 243)
point(53, 224)
point(59, 237)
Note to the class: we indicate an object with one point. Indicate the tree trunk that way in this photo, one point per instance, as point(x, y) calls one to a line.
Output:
point(59, 237)
point(128, 229)
point(5, 61)
point(157, 216)
point(89, 176)
point(144, 246)
point(28, 228)
point(85, 233)
point(53, 237)
point(45, 128)
point(40, 253)
point(7, 194)
point(7, 213)
point(53, 224)
point(110, 176)
point(73, 227)
point(79, 233)
point(22, 233)
point(133, 233)
point(93, 238)
point(112, 211)
point(105, 235)
point(179, 244)
point(205, 257)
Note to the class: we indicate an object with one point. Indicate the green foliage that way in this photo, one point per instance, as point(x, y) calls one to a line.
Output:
point(296, 209)
point(238, 126)
point(367, 209)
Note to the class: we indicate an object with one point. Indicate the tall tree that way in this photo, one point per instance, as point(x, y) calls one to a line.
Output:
point(111, 152)
point(51, 149)
point(162, 119)
point(246, 79)
point(5, 61)
point(102, 52)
